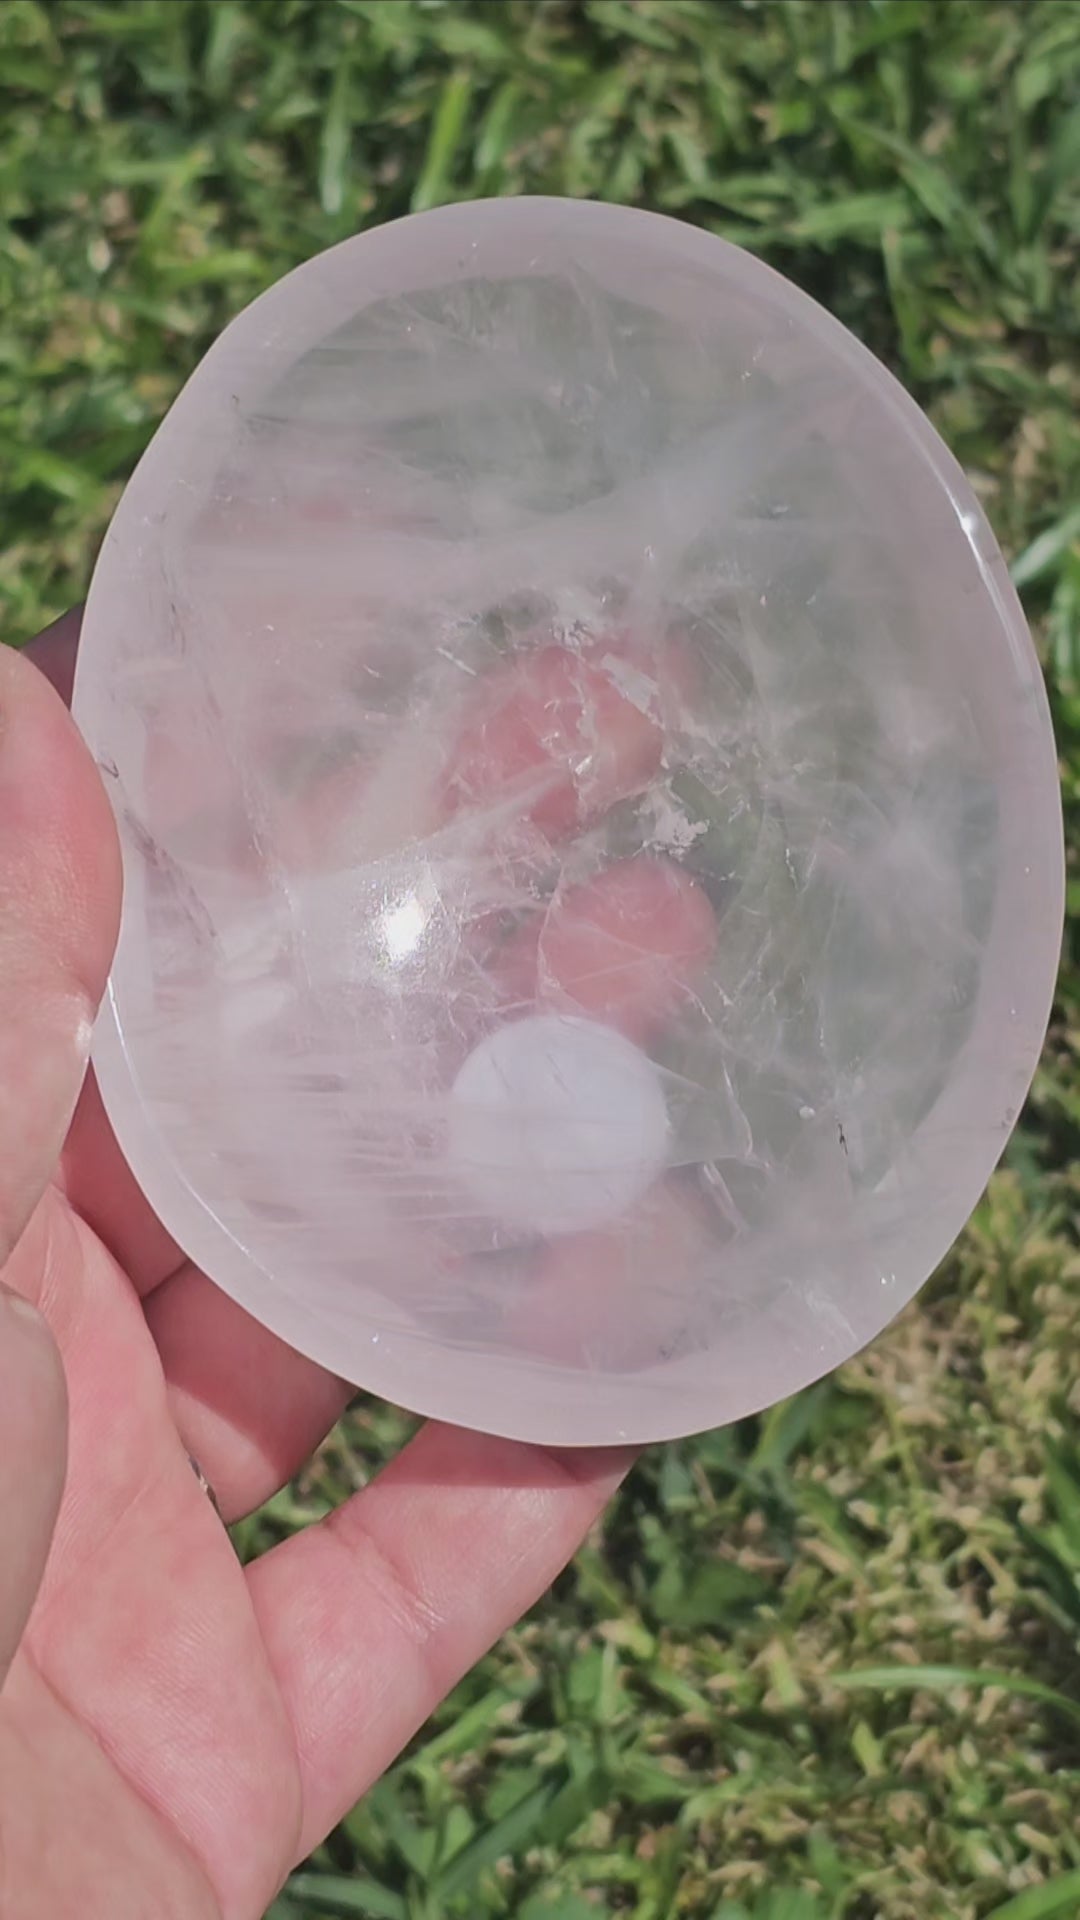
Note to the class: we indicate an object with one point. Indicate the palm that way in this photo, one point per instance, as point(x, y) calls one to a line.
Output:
point(165, 1700)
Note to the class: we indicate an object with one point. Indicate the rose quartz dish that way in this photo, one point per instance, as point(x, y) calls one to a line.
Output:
point(590, 821)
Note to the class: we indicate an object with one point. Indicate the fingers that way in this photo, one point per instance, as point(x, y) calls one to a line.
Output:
point(33, 1454)
point(59, 909)
point(620, 1296)
point(247, 1407)
point(370, 1617)
point(625, 947)
point(559, 731)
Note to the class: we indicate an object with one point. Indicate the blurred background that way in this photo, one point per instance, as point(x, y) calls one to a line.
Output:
point(825, 1665)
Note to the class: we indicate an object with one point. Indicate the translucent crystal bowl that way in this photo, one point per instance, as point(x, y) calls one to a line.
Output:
point(592, 843)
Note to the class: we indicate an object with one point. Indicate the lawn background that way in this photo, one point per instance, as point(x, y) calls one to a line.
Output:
point(822, 1666)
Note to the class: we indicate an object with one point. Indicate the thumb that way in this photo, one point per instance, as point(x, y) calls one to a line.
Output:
point(59, 904)
point(33, 1457)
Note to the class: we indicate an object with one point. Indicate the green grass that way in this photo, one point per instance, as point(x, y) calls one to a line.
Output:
point(823, 1666)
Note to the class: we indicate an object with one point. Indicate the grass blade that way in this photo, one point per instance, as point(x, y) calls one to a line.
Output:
point(334, 145)
point(1041, 557)
point(949, 1679)
point(433, 186)
point(337, 1894)
point(502, 1837)
point(1058, 1896)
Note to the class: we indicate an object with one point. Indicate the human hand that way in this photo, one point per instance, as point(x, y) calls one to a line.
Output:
point(159, 1698)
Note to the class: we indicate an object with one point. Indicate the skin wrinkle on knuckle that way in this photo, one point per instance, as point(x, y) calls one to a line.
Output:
point(367, 1556)
point(539, 1506)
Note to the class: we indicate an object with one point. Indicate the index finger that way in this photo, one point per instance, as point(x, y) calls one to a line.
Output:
point(373, 1614)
